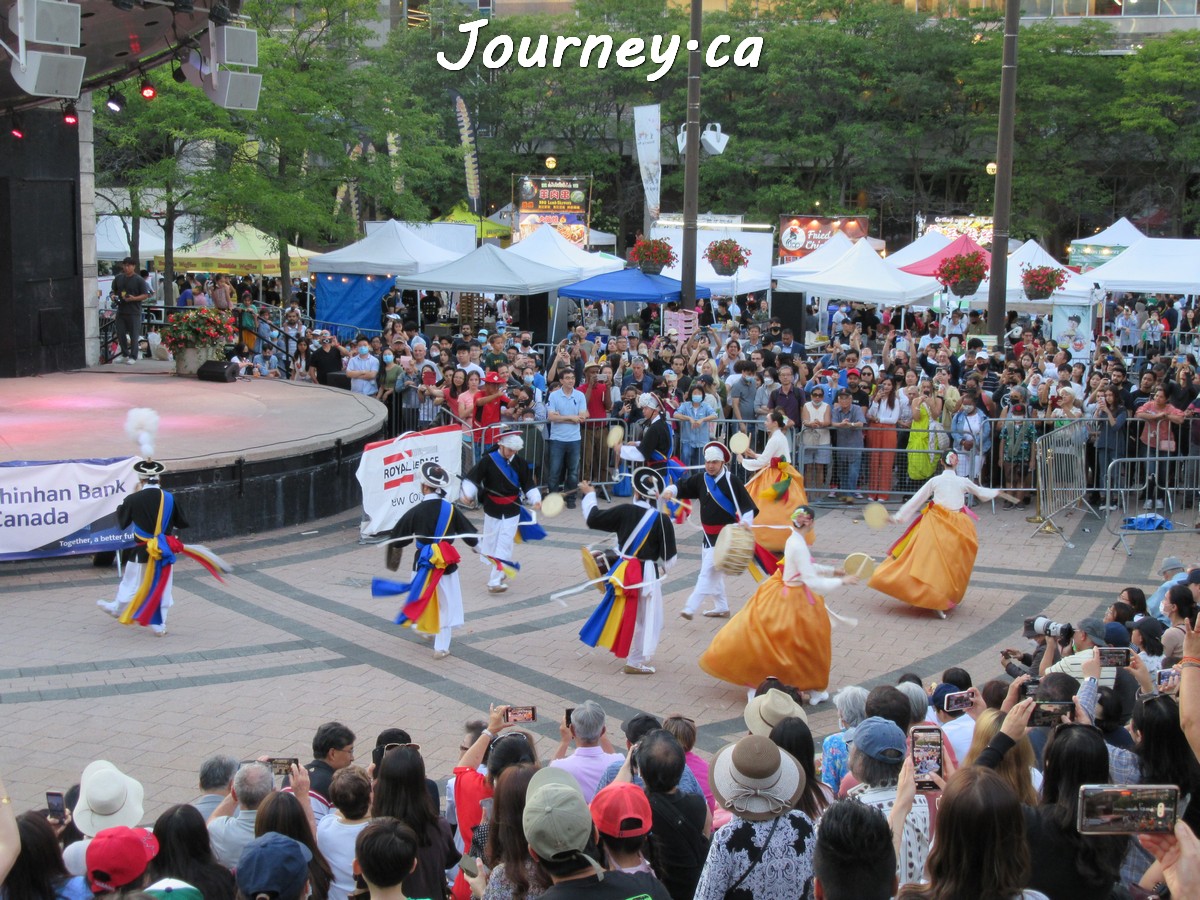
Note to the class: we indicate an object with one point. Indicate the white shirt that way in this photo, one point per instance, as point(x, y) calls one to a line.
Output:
point(777, 445)
point(959, 733)
point(335, 840)
point(890, 415)
point(948, 490)
point(798, 567)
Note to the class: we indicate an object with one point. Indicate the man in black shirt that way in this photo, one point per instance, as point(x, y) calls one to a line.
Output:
point(326, 360)
point(129, 289)
point(333, 749)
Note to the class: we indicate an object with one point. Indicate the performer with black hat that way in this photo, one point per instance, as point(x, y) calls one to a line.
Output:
point(434, 598)
point(145, 594)
point(654, 449)
point(502, 476)
point(629, 619)
point(724, 501)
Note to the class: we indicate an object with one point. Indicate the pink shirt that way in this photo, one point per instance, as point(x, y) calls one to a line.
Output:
point(700, 769)
point(587, 764)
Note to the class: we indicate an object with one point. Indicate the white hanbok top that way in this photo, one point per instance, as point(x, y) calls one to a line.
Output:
point(798, 567)
point(948, 490)
point(777, 445)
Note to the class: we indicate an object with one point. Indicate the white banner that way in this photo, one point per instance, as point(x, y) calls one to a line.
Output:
point(388, 470)
point(63, 507)
point(647, 130)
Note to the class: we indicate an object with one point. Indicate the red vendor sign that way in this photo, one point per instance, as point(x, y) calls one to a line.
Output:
point(801, 235)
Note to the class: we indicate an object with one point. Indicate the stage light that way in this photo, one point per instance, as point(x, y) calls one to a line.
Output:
point(551, 162)
point(713, 140)
point(70, 113)
point(219, 14)
point(115, 101)
point(178, 74)
point(148, 90)
point(16, 129)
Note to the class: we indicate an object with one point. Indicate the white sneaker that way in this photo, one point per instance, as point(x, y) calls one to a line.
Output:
point(108, 608)
point(817, 697)
point(130, 360)
point(635, 669)
point(1149, 504)
point(1158, 504)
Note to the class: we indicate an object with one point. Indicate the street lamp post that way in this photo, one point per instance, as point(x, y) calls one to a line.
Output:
point(691, 163)
point(1002, 212)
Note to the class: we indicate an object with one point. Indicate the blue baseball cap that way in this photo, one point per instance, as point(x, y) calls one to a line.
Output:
point(881, 739)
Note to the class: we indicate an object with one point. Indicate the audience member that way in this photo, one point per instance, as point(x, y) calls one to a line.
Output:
point(231, 825)
point(853, 858)
point(185, 853)
point(337, 832)
point(117, 859)
point(283, 813)
point(273, 867)
point(216, 776)
point(593, 752)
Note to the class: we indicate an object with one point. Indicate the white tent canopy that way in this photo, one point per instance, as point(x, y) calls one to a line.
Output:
point(388, 250)
point(922, 248)
point(744, 281)
point(1121, 233)
point(822, 258)
point(492, 270)
point(549, 248)
point(862, 275)
point(1150, 265)
point(112, 238)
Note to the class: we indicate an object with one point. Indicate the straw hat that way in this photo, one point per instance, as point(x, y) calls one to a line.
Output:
point(755, 780)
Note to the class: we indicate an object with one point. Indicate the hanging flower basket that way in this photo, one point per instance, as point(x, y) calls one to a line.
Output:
point(652, 255)
point(726, 256)
point(1039, 282)
point(962, 273)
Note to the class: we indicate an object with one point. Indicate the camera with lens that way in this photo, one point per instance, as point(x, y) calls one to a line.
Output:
point(1042, 625)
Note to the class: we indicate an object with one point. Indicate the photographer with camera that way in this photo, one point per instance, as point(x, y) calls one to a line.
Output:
point(1081, 639)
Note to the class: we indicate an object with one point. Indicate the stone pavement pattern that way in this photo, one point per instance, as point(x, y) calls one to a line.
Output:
point(293, 639)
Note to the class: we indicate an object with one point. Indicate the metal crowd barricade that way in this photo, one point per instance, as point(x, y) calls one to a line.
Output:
point(1061, 475)
point(1151, 492)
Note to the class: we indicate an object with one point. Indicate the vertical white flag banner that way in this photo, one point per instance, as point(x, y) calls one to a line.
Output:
point(647, 130)
point(388, 470)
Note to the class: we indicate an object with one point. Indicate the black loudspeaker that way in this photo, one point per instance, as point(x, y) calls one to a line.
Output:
point(338, 380)
point(216, 370)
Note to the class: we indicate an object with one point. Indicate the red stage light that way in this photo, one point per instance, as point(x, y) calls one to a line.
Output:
point(149, 91)
point(70, 114)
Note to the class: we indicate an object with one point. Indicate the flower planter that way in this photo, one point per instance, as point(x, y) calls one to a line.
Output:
point(189, 360)
point(1037, 293)
point(964, 288)
point(649, 268)
point(724, 270)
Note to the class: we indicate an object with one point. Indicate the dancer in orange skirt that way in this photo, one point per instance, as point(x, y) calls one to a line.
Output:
point(783, 630)
point(930, 565)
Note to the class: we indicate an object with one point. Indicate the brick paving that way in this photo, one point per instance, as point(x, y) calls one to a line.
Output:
point(293, 639)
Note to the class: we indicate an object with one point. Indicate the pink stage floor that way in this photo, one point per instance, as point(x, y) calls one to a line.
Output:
point(81, 415)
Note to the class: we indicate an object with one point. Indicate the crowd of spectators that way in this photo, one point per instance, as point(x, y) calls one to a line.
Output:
point(857, 814)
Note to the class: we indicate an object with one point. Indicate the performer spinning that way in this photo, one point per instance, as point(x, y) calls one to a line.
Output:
point(145, 593)
point(724, 501)
point(783, 630)
point(629, 619)
point(434, 599)
point(930, 565)
point(502, 476)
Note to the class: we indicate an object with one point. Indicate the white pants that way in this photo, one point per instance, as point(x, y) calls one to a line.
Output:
point(450, 609)
point(647, 627)
point(130, 582)
point(710, 583)
point(498, 538)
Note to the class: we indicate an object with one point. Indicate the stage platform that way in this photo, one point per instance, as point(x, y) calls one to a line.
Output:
point(244, 457)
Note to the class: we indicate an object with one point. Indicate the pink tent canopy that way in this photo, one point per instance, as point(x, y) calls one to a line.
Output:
point(957, 247)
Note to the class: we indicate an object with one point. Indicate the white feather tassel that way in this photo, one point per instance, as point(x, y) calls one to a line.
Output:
point(141, 424)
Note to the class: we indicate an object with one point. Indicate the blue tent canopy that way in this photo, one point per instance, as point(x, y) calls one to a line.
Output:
point(629, 285)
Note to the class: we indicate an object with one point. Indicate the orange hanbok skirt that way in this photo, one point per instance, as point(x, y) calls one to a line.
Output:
point(930, 566)
point(777, 511)
point(781, 631)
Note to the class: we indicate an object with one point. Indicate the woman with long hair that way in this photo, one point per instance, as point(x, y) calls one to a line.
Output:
point(979, 847)
point(1158, 443)
point(282, 813)
point(1179, 606)
point(515, 874)
point(776, 486)
point(1019, 767)
point(300, 361)
point(926, 408)
point(466, 397)
point(39, 873)
point(888, 408)
point(1017, 437)
point(793, 735)
point(816, 438)
point(184, 852)
point(400, 792)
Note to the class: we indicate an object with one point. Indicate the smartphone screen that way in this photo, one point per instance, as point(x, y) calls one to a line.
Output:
point(567, 717)
point(521, 714)
point(55, 805)
point(1115, 656)
point(955, 702)
point(926, 755)
point(281, 766)
point(1050, 712)
point(1127, 808)
point(1166, 677)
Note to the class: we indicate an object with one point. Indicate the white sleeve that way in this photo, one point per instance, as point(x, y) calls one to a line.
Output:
point(753, 465)
point(800, 560)
point(669, 492)
point(589, 503)
point(908, 511)
point(533, 495)
point(469, 489)
point(632, 453)
point(748, 518)
point(669, 564)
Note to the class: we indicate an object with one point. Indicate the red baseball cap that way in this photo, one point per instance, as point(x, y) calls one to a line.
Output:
point(853, 372)
point(119, 856)
point(493, 378)
point(620, 802)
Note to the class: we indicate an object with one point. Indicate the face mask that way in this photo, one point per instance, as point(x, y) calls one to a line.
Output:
point(969, 410)
point(274, 334)
point(768, 381)
point(697, 398)
point(364, 351)
point(528, 379)
point(387, 357)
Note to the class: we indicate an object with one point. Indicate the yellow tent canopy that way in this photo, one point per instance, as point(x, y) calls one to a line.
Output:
point(238, 250)
point(484, 227)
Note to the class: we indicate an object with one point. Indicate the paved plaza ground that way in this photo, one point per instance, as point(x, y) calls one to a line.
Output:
point(293, 639)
